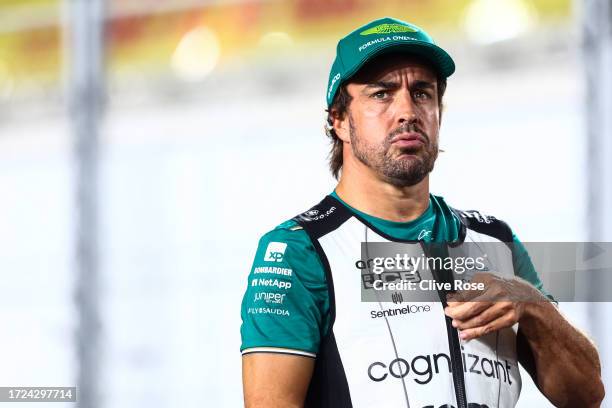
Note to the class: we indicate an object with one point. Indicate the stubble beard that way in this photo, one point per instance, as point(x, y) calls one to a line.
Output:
point(391, 163)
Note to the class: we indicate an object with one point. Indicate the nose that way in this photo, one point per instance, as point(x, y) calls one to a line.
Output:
point(406, 109)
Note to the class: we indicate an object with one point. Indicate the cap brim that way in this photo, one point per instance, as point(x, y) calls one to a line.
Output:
point(439, 58)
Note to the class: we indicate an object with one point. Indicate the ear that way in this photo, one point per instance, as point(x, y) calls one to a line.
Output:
point(341, 125)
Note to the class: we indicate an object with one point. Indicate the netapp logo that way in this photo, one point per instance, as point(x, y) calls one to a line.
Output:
point(424, 367)
point(272, 283)
point(376, 314)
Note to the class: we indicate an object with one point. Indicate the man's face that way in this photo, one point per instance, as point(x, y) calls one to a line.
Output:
point(393, 118)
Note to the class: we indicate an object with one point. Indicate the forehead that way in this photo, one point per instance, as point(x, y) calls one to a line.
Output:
point(389, 66)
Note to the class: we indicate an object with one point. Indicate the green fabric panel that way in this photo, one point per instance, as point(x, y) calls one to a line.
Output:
point(302, 309)
point(421, 227)
point(523, 267)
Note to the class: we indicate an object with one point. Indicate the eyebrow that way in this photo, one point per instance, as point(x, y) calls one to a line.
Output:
point(422, 85)
point(382, 84)
point(419, 84)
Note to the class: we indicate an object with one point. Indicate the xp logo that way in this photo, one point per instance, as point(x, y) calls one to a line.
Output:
point(275, 252)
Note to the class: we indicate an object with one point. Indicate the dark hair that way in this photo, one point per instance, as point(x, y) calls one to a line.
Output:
point(340, 104)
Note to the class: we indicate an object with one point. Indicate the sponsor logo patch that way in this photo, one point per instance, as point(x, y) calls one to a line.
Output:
point(268, 310)
point(388, 29)
point(315, 215)
point(335, 79)
point(399, 311)
point(422, 368)
point(271, 283)
point(270, 297)
point(273, 270)
point(275, 252)
point(424, 234)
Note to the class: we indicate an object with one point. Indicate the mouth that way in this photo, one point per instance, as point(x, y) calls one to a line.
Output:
point(409, 140)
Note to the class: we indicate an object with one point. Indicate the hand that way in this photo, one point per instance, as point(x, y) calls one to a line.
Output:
point(501, 304)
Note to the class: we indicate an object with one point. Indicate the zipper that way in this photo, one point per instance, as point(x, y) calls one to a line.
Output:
point(456, 363)
point(446, 275)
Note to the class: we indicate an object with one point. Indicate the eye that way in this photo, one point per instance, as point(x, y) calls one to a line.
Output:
point(421, 95)
point(380, 94)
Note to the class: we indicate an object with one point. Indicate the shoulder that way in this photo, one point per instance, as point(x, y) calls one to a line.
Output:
point(289, 230)
point(289, 248)
point(294, 240)
point(273, 244)
point(484, 224)
point(323, 217)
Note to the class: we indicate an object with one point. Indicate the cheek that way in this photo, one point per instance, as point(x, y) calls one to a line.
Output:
point(378, 119)
point(373, 118)
point(378, 112)
point(431, 118)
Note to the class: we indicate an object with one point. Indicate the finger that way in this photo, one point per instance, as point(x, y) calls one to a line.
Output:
point(466, 310)
point(500, 323)
point(464, 295)
point(493, 294)
point(458, 296)
point(455, 298)
point(487, 316)
point(461, 296)
point(484, 277)
point(470, 295)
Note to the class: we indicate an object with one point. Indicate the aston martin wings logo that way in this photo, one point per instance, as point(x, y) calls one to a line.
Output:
point(389, 28)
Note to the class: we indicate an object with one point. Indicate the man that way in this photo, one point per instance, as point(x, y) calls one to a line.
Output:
point(309, 339)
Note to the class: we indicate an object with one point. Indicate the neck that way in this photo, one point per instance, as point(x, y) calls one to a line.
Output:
point(360, 188)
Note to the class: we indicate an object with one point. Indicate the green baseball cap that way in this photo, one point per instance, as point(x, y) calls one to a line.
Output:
point(380, 36)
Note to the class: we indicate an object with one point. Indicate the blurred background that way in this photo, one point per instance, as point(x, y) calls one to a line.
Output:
point(146, 145)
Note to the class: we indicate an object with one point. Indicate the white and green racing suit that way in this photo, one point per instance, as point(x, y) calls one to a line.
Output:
point(304, 298)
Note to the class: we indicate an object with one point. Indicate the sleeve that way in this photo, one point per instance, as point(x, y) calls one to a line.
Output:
point(286, 304)
point(524, 267)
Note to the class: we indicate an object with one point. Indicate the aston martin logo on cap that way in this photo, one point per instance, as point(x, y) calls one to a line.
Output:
point(389, 28)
